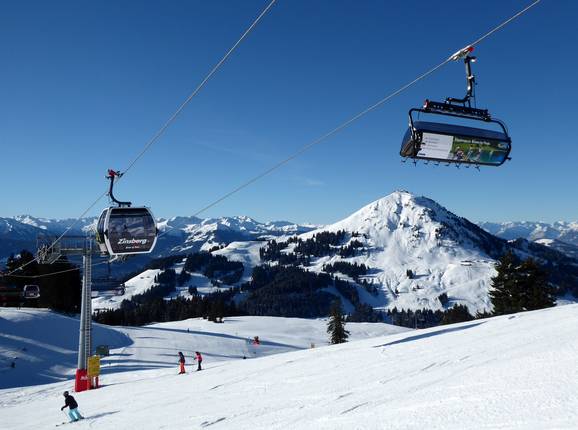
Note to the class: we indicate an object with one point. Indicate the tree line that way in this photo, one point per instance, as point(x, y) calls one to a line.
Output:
point(137, 312)
point(216, 267)
point(60, 292)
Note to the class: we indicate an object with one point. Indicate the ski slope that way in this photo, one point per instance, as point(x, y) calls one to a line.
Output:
point(512, 372)
point(43, 345)
point(136, 285)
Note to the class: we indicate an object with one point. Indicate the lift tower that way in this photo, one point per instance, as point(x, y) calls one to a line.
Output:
point(49, 251)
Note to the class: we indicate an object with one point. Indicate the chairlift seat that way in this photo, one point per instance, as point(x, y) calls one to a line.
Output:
point(456, 143)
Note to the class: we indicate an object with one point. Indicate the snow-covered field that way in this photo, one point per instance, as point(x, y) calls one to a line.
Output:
point(512, 372)
point(43, 345)
point(137, 285)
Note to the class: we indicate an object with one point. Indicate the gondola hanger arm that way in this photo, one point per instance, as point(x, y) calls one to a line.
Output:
point(112, 174)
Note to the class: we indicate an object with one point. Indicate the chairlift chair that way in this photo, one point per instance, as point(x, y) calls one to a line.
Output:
point(453, 143)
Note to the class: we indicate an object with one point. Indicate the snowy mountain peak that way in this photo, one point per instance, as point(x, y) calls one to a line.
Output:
point(406, 219)
point(402, 233)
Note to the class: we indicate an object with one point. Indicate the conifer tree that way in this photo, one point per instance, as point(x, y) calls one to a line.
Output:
point(503, 293)
point(520, 286)
point(456, 314)
point(336, 325)
point(536, 293)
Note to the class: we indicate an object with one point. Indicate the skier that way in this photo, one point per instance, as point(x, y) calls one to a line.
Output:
point(73, 413)
point(199, 359)
point(182, 363)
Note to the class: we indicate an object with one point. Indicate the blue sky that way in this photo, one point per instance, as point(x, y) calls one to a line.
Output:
point(86, 84)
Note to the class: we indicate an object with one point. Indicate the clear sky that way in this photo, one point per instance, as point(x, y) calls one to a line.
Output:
point(86, 83)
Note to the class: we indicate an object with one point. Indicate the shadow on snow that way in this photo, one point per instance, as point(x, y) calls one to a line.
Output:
point(430, 334)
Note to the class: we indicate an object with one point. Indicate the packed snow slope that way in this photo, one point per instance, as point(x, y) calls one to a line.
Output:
point(136, 285)
point(43, 344)
point(511, 372)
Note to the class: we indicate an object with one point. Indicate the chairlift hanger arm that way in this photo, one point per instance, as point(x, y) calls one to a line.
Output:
point(470, 83)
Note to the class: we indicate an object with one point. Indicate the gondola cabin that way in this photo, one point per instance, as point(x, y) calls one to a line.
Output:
point(126, 231)
point(31, 292)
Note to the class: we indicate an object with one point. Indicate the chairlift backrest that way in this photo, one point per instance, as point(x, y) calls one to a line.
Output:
point(453, 143)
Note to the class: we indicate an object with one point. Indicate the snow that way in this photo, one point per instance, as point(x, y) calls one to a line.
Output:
point(401, 231)
point(244, 252)
point(44, 344)
point(137, 285)
point(210, 232)
point(564, 231)
point(512, 372)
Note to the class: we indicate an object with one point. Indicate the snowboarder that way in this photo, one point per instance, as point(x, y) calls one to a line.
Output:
point(199, 359)
point(70, 403)
point(182, 362)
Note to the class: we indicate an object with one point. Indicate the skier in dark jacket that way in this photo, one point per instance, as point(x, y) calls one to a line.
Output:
point(182, 363)
point(70, 403)
point(199, 359)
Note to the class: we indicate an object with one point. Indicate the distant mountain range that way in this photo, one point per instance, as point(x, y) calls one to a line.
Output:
point(178, 234)
point(401, 233)
point(561, 230)
point(415, 252)
point(191, 234)
point(561, 235)
point(447, 255)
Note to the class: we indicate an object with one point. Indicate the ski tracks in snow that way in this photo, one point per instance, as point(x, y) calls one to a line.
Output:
point(205, 424)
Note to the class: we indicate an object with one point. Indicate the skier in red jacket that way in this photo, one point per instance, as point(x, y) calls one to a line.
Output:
point(182, 363)
point(199, 359)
